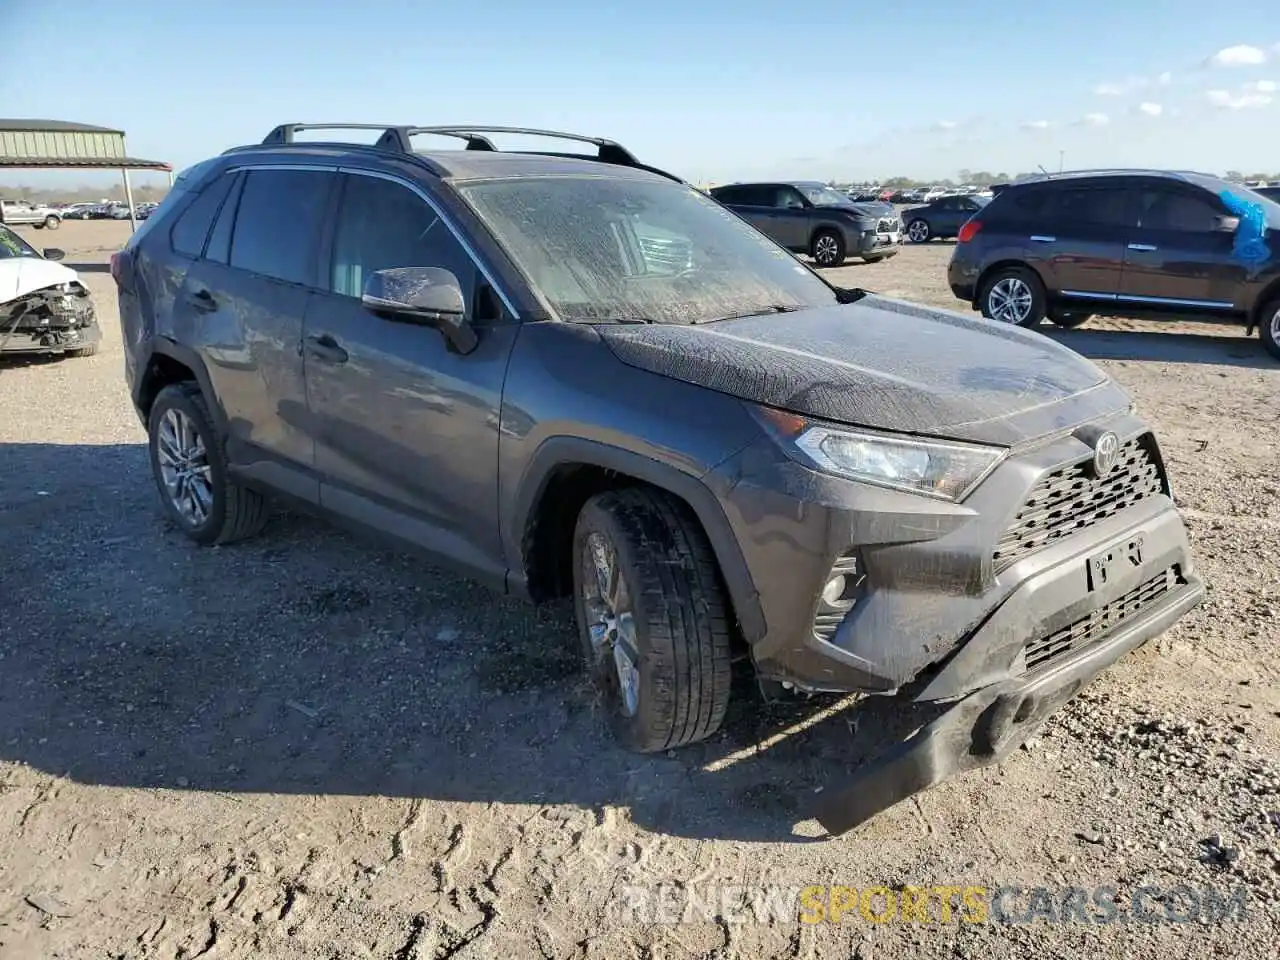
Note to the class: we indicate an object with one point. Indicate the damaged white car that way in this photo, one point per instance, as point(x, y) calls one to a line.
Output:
point(44, 308)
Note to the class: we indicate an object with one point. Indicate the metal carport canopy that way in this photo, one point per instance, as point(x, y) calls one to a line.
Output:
point(59, 145)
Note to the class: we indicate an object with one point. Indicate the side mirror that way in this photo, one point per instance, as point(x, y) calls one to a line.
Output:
point(431, 296)
point(53, 253)
point(1226, 224)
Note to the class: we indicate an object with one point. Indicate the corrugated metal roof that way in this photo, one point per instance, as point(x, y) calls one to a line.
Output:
point(82, 163)
point(54, 126)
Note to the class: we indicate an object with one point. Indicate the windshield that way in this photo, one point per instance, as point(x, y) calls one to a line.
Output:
point(12, 245)
point(821, 196)
point(601, 250)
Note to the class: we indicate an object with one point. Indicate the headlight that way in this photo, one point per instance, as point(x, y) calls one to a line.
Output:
point(935, 468)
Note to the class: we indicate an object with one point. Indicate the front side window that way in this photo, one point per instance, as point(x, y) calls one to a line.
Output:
point(823, 196)
point(278, 221)
point(601, 249)
point(1178, 211)
point(382, 225)
point(1096, 206)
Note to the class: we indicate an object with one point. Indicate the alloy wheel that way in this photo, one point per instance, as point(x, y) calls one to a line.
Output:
point(826, 250)
point(184, 467)
point(1010, 300)
point(1275, 326)
point(610, 620)
point(918, 232)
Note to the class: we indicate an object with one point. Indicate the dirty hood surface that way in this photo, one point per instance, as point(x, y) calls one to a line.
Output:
point(884, 364)
point(22, 275)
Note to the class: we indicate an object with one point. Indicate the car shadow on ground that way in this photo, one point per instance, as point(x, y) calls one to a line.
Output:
point(1157, 346)
point(90, 267)
point(310, 661)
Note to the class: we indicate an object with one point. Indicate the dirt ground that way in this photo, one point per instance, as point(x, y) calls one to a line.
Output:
point(307, 747)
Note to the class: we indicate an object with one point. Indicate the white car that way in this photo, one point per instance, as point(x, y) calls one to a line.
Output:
point(44, 308)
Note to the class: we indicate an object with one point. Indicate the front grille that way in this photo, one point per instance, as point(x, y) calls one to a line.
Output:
point(1102, 621)
point(888, 225)
point(1071, 499)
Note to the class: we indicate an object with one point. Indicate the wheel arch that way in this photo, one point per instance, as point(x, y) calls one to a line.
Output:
point(169, 363)
point(1269, 295)
point(564, 473)
point(1007, 264)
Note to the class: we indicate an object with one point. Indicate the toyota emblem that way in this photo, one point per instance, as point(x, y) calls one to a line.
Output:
point(1105, 453)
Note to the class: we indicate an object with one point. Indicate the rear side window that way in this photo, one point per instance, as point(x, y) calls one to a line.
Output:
point(191, 229)
point(1094, 206)
point(219, 247)
point(278, 222)
point(1021, 205)
point(1178, 211)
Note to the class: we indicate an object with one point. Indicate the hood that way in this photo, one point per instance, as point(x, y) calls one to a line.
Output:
point(870, 209)
point(20, 276)
point(884, 364)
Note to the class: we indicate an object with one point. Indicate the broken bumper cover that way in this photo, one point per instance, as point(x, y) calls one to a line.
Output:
point(70, 326)
point(986, 726)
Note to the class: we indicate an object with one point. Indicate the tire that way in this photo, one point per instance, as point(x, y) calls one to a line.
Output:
point(232, 512)
point(53, 223)
point(88, 351)
point(1068, 320)
point(1024, 287)
point(919, 231)
point(874, 259)
point(666, 575)
point(827, 248)
point(1269, 328)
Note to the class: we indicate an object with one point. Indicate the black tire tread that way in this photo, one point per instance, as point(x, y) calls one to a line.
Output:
point(88, 351)
point(1264, 328)
point(687, 623)
point(244, 512)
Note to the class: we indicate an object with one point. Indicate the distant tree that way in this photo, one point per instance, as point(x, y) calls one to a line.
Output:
point(1234, 175)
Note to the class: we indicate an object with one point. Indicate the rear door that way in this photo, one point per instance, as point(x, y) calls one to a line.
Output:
point(241, 305)
point(1175, 258)
point(1077, 236)
point(756, 203)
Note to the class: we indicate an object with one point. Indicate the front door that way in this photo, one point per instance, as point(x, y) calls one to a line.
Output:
point(793, 218)
point(1176, 259)
point(406, 429)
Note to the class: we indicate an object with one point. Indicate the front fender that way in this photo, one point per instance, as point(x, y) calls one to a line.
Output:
point(561, 450)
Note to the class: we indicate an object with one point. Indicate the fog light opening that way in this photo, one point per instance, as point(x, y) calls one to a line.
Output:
point(839, 594)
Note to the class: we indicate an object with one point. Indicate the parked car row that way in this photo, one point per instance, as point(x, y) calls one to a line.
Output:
point(113, 210)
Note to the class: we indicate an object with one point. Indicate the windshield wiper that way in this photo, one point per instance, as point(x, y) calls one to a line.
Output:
point(758, 312)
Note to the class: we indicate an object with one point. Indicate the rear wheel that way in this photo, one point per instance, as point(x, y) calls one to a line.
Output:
point(1068, 320)
point(53, 223)
point(189, 464)
point(918, 231)
point(827, 248)
point(652, 617)
point(1013, 295)
point(1269, 328)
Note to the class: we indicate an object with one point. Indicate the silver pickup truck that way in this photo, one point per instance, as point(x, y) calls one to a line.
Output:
point(38, 215)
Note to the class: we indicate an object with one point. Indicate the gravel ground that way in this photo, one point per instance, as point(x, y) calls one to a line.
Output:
point(306, 747)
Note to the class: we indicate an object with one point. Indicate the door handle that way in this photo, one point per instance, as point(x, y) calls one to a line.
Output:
point(1040, 238)
point(1144, 247)
point(202, 300)
point(325, 348)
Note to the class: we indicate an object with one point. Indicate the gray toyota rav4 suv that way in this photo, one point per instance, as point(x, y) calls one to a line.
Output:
point(572, 374)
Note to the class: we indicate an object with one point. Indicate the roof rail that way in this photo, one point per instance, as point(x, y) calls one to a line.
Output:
point(396, 139)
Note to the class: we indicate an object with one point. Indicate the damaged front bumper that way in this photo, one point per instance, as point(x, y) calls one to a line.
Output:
point(986, 726)
point(48, 322)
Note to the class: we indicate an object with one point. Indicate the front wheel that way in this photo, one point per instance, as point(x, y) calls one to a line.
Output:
point(53, 223)
point(1269, 328)
point(652, 617)
point(1015, 296)
point(827, 248)
point(189, 464)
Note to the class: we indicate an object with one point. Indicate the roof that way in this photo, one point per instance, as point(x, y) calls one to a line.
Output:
point(82, 163)
point(54, 126)
point(1189, 176)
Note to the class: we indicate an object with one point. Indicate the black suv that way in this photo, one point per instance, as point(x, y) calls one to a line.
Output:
point(575, 375)
point(1125, 243)
point(813, 218)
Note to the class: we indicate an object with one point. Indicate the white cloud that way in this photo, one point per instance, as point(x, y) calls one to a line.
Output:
point(1109, 90)
point(1094, 120)
point(1036, 124)
point(1241, 55)
point(1231, 101)
point(945, 125)
point(1262, 86)
point(1165, 79)
point(1118, 88)
point(1151, 109)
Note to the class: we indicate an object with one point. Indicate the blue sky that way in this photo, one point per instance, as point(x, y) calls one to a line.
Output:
point(715, 91)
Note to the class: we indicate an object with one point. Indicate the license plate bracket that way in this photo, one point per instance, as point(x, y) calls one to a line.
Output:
point(1110, 566)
